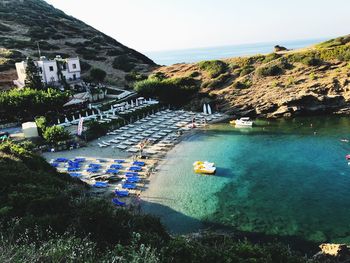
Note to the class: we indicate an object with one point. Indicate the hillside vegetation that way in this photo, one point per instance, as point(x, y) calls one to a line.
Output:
point(23, 24)
point(287, 83)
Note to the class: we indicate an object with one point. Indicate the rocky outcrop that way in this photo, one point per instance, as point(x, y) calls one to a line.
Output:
point(278, 48)
point(337, 253)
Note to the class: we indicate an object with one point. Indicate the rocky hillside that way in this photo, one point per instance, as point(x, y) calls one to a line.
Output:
point(285, 83)
point(24, 23)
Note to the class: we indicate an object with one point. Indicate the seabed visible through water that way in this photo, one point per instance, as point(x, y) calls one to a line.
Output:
point(282, 178)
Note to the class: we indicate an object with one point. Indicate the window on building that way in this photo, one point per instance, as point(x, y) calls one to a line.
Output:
point(74, 66)
point(51, 68)
point(40, 69)
point(74, 77)
point(64, 67)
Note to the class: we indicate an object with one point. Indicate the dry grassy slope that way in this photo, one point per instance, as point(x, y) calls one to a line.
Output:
point(299, 89)
point(23, 23)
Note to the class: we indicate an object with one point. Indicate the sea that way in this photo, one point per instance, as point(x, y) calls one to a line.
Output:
point(280, 178)
point(169, 57)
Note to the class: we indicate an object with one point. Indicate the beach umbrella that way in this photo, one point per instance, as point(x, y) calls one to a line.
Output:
point(204, 109)
point(150, 100)
point(209, 109)
point(79, 116)
point(111, 107)
point(132, 104)
point(73, 118)
point(58, 121)
point(66, 120)
point(101, 117)
point(86, 114)
point(137, 103)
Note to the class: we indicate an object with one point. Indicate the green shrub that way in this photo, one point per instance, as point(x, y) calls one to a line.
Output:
point(213, 67)
point(174, 91)
point(115, 52)
point(270, 57)
point(41, 123)
point(135, 76)
point(246, 70)
point(312, 61)
point(123, 63)
point(242, 84)
point(96, 129)
point(98, 74)
point(269, 70)
point(25, 104)
point(56, 134)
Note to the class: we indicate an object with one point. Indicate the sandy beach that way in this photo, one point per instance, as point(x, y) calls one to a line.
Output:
point(121, 148)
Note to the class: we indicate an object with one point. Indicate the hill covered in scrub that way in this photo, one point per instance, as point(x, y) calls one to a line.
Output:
point(286, 83)
point(23, 24)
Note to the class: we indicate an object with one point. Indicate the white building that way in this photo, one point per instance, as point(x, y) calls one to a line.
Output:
point(52, 72)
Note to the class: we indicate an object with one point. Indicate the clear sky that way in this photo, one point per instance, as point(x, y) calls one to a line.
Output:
point(148, 25)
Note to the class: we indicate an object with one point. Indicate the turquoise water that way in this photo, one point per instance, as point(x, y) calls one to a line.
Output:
point(170, 57)
point(282, 178)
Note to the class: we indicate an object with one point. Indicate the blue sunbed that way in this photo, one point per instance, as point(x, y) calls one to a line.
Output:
point(73, 169)
point(139, 163)
point(132, 180)
point(128, 174)
point(116, 166)
point(117, 202)
point(100, 185)
point(112, 171)
point(55, 165)
point(129, 186)
point(75, 174)
point(95, 165)
point(122, 193)
point(79, 160)
point(92, 170)
point(135, 168)
point(61, 160)
point(119, 161)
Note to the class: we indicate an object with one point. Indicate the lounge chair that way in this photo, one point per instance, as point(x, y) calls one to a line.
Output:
point(117, 202)
point(135, 168)
point(139, 163)
point(116, 166)
point(129, 186)
point(119, 161)
point(75, 175)
point(131, 174)
point(121, 193)
point(112, 171)
point(100, 185)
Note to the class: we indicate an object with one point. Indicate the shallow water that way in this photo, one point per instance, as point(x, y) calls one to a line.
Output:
point(284, 178)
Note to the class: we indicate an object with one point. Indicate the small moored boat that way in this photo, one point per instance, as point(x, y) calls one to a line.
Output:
point(244, 122)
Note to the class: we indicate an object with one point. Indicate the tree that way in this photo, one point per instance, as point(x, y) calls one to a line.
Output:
point(33, 78)
point(56, 134)
point(98, 74)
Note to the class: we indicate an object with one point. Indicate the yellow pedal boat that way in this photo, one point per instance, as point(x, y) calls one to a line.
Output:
point(204, 167)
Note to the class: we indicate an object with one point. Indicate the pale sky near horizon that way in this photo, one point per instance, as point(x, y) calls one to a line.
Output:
point(149, 25)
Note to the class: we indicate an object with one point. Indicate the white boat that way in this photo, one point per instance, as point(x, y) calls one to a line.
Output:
point(209, 109)
point(244, 122)
point(205, 109)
